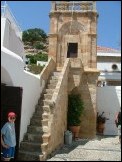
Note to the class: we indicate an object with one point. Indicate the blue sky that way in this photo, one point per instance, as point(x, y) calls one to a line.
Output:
point(35, 14)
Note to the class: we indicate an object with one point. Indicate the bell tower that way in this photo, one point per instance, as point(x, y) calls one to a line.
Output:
point(73, 32)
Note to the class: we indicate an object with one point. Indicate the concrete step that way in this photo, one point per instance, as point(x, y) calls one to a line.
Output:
point(34, 129)
point(28, 156)
point(29, 137)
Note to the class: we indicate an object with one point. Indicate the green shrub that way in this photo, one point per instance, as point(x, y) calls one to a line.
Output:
point(75, 109)
point(37, 57)
point(35, 69)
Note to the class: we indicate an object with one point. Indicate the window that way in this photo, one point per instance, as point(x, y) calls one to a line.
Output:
point(72, 50)
point(114, 67)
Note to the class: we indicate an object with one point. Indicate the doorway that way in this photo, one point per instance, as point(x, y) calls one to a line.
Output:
point(11, 100)
point(72, 50)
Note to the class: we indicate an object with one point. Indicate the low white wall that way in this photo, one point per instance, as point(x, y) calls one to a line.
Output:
point(31, 94)
point(109, 101)
point(41, 63)
point(14, 66)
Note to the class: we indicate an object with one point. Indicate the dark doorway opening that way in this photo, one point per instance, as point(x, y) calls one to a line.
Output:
point(11, 100)
point(72, 50)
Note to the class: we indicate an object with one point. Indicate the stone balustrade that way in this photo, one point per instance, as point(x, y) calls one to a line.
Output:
point(74, 6)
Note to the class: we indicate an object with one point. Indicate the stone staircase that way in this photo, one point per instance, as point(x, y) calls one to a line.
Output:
point(35, 141)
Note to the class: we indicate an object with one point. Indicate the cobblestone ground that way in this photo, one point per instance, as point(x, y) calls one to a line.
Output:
point(102, 148)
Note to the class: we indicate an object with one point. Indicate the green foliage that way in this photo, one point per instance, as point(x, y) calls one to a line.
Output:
point(34, 35)
point(35, 69)
point(75, 109)
point(39, 45)
point(37, 57)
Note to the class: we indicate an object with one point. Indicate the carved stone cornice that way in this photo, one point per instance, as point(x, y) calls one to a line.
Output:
point(91, 70)
point(52, 35)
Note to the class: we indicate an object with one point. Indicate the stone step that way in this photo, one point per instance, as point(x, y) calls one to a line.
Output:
point(53, 81)
point(51, 86)
point(59, 69)
point(54, 77)
point(56, 73)
point(45, 115)
point(29, 137)
point(29, 156)
point(38, 113)
point(45, 122)
point(46, 109)
point(40, 101)
point(49, 91)
point(46, 102)
point(34, 129)
point(36, 120)
point(38, 107)
point(47, 96)
point(30, 146)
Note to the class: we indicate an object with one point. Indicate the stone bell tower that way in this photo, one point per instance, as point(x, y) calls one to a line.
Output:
point(73, 34)
point(73, 28)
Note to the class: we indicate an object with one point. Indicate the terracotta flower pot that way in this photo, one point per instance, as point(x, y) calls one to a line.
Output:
point(75, 131)
point(100, 128)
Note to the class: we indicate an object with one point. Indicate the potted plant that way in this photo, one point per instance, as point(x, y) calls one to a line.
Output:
point(101, 122)
point(75, 109)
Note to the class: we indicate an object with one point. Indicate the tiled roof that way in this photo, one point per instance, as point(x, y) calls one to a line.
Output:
point(106, 50)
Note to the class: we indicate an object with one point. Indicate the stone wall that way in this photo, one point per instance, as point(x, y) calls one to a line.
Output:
point(77, 28)
point(47, 70)
point(88, 94)
point(84, 82)
point(58, 119)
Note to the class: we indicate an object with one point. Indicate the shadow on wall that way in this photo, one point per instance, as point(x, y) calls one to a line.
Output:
point(109, 101)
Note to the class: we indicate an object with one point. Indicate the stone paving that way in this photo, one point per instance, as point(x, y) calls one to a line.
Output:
point(102, 148)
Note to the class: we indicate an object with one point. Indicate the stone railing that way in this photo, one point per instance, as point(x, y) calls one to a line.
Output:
point(58, 118)
point(75, 6)
point(47, 71)
point(76, 63)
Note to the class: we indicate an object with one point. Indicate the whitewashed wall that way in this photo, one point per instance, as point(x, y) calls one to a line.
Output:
point(9, 39)
point(108, 65)
point(13, 74)
point(13, 66)
point(109, 101)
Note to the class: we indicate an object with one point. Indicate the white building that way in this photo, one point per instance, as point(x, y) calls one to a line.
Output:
point(109, 86)
point(12, 67)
